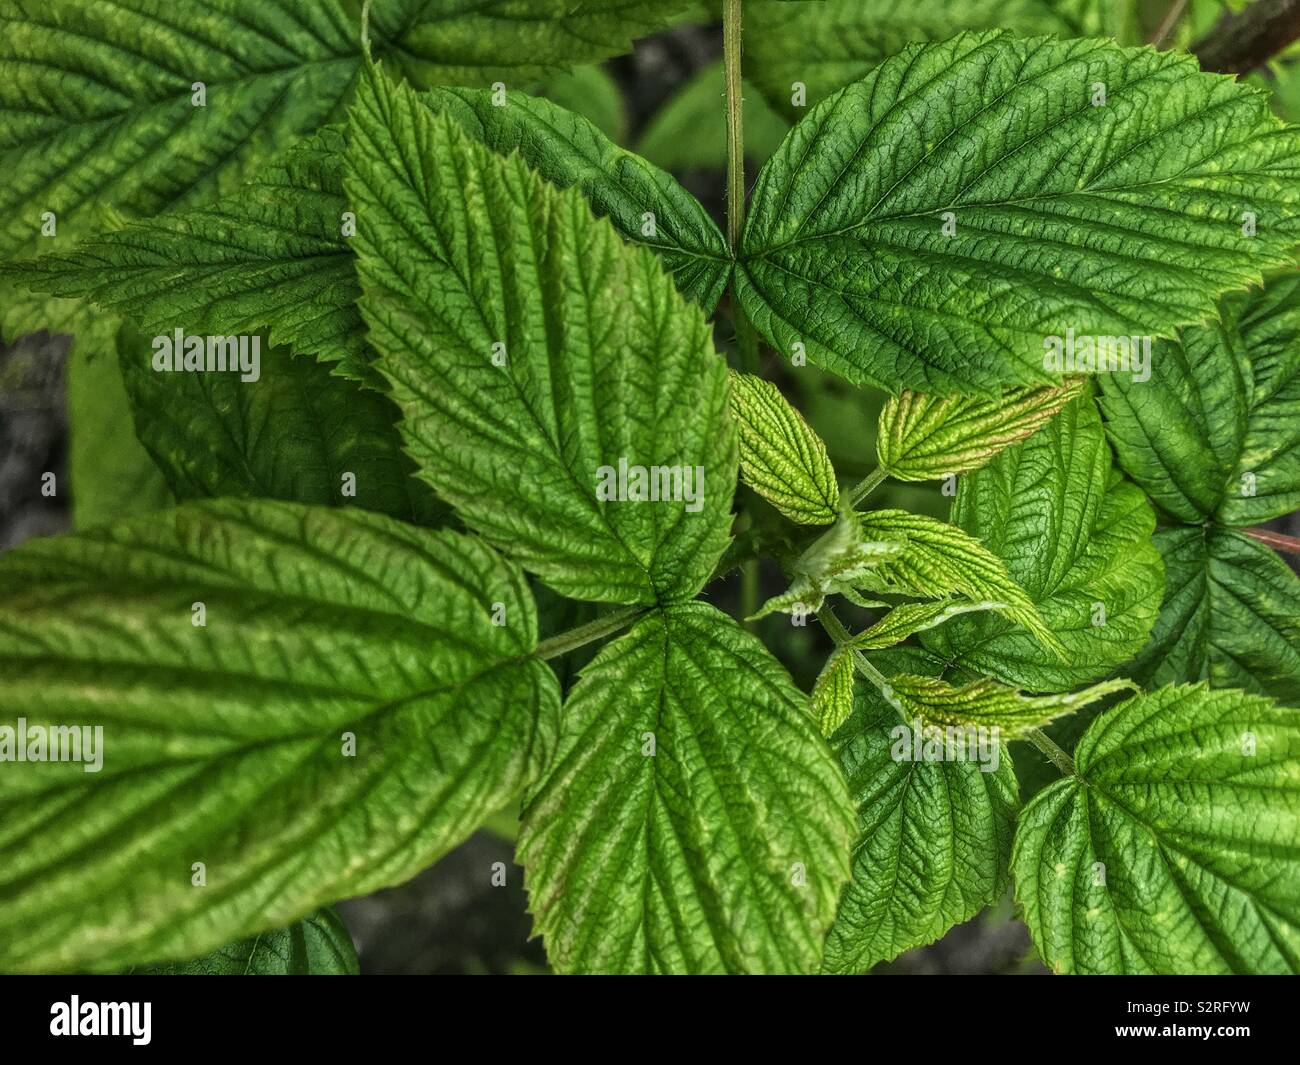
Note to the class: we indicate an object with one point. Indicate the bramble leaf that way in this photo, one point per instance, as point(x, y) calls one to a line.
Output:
point(943, 223)
point(297, 705)
point(548, 373)
point(934, 837)
point(781, 457)
point(907, 619)
point(1077, 538)
point(318, 945)
point(1176, 849)
point(927, 437)
point(831, 700)
point(692, 820)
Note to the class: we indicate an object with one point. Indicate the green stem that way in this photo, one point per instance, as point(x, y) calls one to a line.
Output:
point(837, 632)
point(867, 485)
point(749, 592)
point(589, 633)
point(735, 123)
point(1058, 757)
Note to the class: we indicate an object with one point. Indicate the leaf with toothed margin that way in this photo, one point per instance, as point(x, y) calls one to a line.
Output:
point(936, 224)
point(555, 387)
point(692, 821)
point(1176, 848)
point(345, 714)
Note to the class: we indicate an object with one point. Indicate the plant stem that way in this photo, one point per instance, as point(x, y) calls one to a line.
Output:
point(1169, 23)
point(1059, 758)
point(1281, 541)
point(867, 485)
point(749, 592)
point(1242, 41)
point(735, 123)
point(588, 633)
point(837, 632)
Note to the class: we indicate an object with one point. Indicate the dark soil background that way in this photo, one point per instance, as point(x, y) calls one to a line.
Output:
point(450, 919)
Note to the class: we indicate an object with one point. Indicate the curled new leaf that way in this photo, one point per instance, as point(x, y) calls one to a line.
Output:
point(832, 695)
point(907, 619)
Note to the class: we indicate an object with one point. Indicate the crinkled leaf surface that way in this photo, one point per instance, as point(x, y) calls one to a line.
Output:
point(1077, 538)
point(1109, 220)
point(1231, 615)
point(225, 743)
point(934, 837)
point(1177, 847)
point(568, 150)
point(724, 849)
point(318, 945)
point(782, 457)
point(831, 699)
point(533, 355)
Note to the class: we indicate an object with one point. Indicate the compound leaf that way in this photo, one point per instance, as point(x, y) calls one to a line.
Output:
point(1077, 538)
point(1176, 849)
point(693, 820)
point(548, 373)
point(943, 223)
point(311, 703)
point(781, 457)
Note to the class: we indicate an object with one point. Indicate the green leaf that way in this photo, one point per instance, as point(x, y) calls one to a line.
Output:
point(926, 437)
point(986, 703)
point(675, 140)
point(536, 357)
point(1112, 221)
point(593, 93)
point(831, 700)
point(939, 560)
point(1077, 538)
point(934, 837)
point(836, 563)
point(1229, 616)
point(907, 619)
point(824, 45)
point(270, 255)
point(782, 458)
point(692, 820)
point(318, 945)
point(111, 474)
point(1176, 849)
point(113, 87)
point(227, 743)
point(297, 433)
point(644, 203)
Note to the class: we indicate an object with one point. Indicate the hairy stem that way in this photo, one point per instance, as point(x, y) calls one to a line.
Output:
point(1289, 544)
point(589, 633)
point(735, 123)
point(1245, 40)
point(1058, 757)
point(867, 485)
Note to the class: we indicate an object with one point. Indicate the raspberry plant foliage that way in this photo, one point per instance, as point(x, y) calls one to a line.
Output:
point(484, 313)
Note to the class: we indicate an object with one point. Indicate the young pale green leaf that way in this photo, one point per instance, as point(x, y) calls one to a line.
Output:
point(926, 437)
point(555, 387)
point(988, 704)
point(934, 836)
point(692, 820)
point(1229, 616)
point(270, 255)
point(832, 695)
point(799, 53)
point(110, 473)
point(781, 457)
point(907, 619)
point(836, 563)
point(944, 223)
point(1176, 849)
point(644, 203)
point(939, 560)
point(318, 945)
point(1077, 538)
point(675, 138)
point(297, 705)
point(297, 433)
point(1215, 432)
